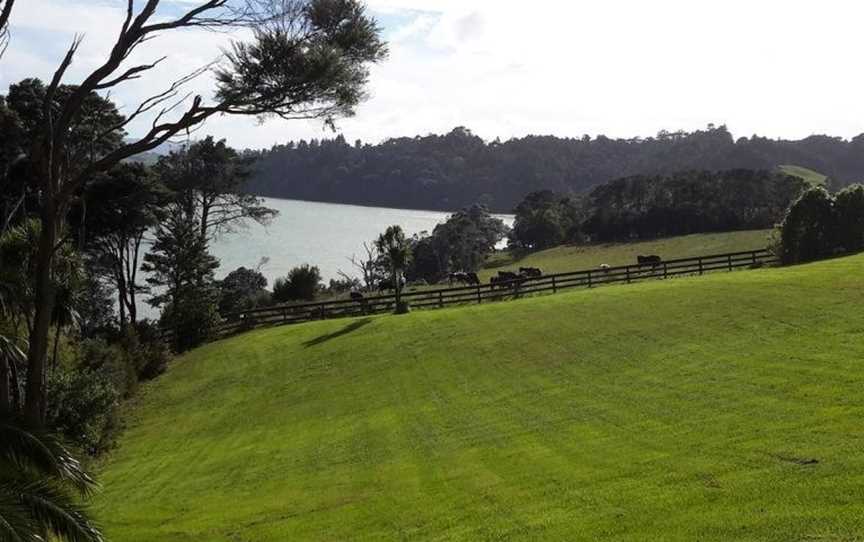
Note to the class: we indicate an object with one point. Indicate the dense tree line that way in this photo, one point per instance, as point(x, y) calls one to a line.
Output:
point(644, 207)
point(692, 202)
point(458, 169)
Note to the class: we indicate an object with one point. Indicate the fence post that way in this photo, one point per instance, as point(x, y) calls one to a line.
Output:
point(627, 273)
point(665, 271)
point(554, 288)
point(730, 262)
point(440, 299)
point(284, 314)
point(479, 297)
point(589, 278)
point(754, 257)
point(700, 265)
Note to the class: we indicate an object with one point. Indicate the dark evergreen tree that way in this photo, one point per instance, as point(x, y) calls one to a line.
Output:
point(809, 230)
point(181, 274)
point(849, 211)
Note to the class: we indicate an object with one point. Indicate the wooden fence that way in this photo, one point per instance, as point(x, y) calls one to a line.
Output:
point(484, 293)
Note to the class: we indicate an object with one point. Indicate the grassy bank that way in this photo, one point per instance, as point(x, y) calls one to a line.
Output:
point(714, 408)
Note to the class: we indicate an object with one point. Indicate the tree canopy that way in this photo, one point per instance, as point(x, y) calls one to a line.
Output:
point(457, 169)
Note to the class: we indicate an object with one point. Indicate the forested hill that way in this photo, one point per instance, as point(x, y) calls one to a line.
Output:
point(451, 171)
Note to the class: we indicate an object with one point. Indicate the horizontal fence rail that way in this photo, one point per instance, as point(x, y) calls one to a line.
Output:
point(511, 289)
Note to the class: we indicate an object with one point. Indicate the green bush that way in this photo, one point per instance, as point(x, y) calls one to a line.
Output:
point(242, 289)
point(84, 399)
point(809, 230)
point(819, 225)
point(849, 210)
point(148, 354)
point(192, 322)
point(302, 283)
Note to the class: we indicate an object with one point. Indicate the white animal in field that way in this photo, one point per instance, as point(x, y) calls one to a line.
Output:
point(604, 267)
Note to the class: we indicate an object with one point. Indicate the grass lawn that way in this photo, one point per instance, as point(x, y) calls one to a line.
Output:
point(574, 258)
point(726, 407)
point(813, 177)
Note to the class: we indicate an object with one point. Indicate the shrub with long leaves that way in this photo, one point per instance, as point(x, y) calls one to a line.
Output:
point(42, 487)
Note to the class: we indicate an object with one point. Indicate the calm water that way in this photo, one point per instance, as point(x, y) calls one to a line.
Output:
point(322, 234)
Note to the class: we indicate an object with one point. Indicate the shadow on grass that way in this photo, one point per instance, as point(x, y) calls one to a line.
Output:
point(353, 326)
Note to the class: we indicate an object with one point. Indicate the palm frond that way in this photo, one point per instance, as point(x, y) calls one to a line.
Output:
point(16, 524)
point(44, 453)
point(54, 509)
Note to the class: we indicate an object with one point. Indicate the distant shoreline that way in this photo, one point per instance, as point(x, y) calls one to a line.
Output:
point(371, 206)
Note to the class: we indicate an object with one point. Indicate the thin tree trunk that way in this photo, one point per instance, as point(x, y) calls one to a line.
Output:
point(34, 407)
point(56, 345)
point(121, 295)
point(398, 286)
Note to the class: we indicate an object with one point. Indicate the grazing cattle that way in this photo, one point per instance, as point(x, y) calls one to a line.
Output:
point(357, 296)
point(507, 275)
point(465, 278)
point(604, 267)
point(651, 260)
point(508, 279)
point(531, 272)
point(497, 282)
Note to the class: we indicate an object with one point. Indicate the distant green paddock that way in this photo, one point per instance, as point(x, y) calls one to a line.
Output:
point(813, 177)
point(575, 257)
point(724, 407)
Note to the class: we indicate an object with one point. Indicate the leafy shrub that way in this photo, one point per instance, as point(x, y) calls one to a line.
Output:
point(110, 361)
point(192, 322)
point(849, 210)
point(302, 283)
point(339, 286)
point(83, 408)
point(242, 289)
point(148, 354)
point(819, 225)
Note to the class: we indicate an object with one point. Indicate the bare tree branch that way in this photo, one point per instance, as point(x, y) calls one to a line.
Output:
point(131, 73)
point(5, 14)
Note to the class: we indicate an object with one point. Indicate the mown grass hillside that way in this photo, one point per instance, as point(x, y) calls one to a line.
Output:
point(813, 177)
point(577, 257)
point(726, 407)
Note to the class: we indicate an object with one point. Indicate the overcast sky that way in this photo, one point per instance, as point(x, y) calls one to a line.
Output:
point(780, 68)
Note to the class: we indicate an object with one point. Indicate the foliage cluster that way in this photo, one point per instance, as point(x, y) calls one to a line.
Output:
point(819, 224)
point(648, 207)
point(301, 283)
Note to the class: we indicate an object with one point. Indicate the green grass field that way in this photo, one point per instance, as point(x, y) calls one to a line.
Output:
point(577, 257)
point(813, 177)
point(726, 407)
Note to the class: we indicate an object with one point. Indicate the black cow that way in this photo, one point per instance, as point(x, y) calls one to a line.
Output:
point(531, 272)
point(508, 275)
point(465, 278)
point(651, 260)
point(509, 279)
point(357, 296)
point(497, 282)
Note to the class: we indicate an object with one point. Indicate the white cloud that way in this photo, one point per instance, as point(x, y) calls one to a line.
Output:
point(503, 68)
